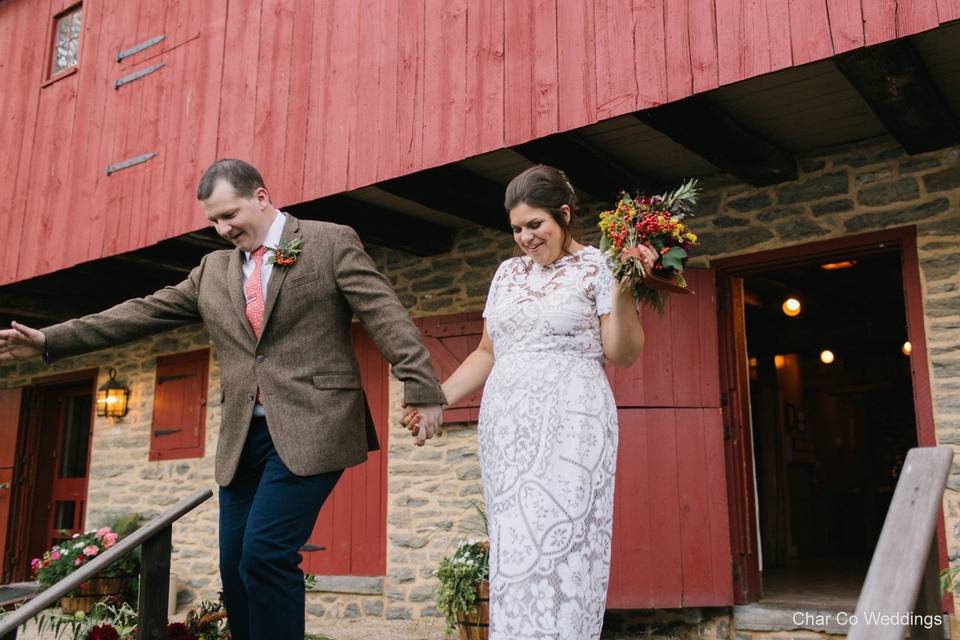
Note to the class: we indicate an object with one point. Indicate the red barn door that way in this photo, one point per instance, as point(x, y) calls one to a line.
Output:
point(352, 525)
point(10, 410)
point(671, 539)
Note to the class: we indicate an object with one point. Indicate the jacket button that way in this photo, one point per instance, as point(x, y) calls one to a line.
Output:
point(259, 358)
point(250, 396)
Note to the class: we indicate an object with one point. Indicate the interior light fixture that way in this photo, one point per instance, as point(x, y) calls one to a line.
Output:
point(791, 307)
point(844, 264)
point(826, 356)
point(907, 348)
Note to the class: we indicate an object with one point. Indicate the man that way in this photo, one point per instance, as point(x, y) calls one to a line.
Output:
point(294, 415)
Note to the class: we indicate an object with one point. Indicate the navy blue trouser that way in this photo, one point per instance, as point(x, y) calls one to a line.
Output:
point(266, 515)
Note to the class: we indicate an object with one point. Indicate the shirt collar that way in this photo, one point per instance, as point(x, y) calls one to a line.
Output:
point(274, 233)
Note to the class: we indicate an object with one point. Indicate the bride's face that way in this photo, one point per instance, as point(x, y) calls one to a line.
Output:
point(537, 233)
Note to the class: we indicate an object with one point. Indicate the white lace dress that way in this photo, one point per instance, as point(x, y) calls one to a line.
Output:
point(548, 448)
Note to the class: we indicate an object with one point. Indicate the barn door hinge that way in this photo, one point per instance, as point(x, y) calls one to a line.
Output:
point(146, 44)
point(126, 164)
point(727, 432)
point(136, 75)
point(736, 568)
point(724, 398)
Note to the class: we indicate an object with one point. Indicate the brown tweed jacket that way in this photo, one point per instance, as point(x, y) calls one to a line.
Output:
point(303, 362)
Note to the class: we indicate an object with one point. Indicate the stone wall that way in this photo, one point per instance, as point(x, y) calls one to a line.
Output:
point(841, 191)
point(122, 479)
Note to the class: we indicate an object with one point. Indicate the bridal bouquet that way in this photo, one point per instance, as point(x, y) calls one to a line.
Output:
point(657, 220)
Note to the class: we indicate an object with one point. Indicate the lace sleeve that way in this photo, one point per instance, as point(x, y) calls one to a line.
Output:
point(603, 291)
point(492, 293)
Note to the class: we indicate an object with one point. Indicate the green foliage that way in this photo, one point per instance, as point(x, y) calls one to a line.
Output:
point(460, 576)
point(673, 258)
point(67, 556)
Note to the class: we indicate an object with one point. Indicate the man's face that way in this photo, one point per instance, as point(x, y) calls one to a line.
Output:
point(242, 221)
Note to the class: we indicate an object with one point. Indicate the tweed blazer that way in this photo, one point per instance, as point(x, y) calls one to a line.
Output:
point(303, 362)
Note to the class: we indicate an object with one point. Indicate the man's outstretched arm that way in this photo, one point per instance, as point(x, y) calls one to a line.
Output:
point(169, 308)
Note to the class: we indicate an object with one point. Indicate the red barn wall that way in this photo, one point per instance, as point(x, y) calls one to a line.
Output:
point(330, 96)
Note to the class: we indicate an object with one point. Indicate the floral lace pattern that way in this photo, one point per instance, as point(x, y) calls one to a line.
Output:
point(548, 448)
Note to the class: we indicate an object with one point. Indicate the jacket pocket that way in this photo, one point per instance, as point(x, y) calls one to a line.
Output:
point(307, 278)
point(336, 381)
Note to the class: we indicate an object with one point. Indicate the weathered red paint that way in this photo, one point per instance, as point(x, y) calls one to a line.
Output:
point(338, 95)
point(10, 411)
point(180, 404)
point(352, 526)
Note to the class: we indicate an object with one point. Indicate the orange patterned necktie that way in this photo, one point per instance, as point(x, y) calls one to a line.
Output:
point(254, 294)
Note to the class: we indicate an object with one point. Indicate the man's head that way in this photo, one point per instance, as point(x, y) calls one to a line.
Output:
point(236, 202)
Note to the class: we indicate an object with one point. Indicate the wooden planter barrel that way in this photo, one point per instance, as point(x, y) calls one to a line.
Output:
point(92, 592)
point(474, 625)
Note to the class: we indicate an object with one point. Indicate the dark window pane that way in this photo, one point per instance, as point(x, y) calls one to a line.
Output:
point(63, 517)
point(76, 436)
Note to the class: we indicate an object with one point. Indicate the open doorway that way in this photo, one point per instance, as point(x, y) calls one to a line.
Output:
point(832, 417)
point(814, 445)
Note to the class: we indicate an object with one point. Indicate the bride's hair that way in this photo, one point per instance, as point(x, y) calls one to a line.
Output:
point(544, 187)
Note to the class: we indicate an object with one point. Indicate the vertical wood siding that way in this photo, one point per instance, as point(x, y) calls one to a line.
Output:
point(326, 97)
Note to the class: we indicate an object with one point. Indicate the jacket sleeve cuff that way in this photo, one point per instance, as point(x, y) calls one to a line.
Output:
point(423, 394)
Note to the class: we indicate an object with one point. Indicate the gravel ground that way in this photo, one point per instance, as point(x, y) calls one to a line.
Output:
point(361, 629)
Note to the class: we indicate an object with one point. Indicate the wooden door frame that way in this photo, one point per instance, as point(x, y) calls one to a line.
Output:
point(27, 444)
point(747, 587)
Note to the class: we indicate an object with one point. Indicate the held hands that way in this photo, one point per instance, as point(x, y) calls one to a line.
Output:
point(423, 421)
point(20, 343)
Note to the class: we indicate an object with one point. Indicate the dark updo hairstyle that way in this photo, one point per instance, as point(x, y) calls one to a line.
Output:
point(544, 187)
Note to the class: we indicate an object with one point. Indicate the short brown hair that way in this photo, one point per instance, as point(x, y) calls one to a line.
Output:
point(241, 175)
point(544, 187)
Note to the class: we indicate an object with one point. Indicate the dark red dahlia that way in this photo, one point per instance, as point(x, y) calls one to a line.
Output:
point(178, 631)
point(103, 632)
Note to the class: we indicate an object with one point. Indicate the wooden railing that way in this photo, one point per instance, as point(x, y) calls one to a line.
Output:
point(155, 537)
point(902, 588)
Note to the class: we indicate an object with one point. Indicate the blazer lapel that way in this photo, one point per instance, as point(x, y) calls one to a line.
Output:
point(235, 285)
point(291, 230)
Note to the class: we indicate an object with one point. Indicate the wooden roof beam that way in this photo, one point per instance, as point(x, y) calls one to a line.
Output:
point(453, 190)
point(377, 225)
point(897, 86)
point(587, 167)
point(718, 138)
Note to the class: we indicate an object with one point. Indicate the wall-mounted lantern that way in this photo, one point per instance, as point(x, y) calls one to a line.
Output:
point(112, 397)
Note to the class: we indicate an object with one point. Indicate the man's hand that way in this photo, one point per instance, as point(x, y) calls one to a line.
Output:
point(423, 421)
point(20, 343)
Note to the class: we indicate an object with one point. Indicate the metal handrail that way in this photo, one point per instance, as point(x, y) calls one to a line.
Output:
point(155, 570)
point(902, 583)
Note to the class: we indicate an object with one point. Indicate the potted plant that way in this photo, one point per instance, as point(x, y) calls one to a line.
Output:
point(465, 591)
point(67, 556)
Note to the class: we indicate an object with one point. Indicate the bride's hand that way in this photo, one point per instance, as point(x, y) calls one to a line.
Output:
point(645, 253)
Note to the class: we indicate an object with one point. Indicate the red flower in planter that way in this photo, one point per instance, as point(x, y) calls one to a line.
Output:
point(103, 632)
point(178, 631)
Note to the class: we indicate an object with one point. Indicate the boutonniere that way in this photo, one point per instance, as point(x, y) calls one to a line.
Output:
point(286, 253)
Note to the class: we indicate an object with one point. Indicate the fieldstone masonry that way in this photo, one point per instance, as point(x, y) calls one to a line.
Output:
point(840, 191)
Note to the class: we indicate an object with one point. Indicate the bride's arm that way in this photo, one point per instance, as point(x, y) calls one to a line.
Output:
point(472, 373)
point(620, 331)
